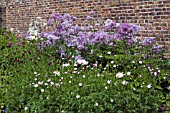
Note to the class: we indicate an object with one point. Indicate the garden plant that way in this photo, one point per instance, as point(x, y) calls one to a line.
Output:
point(100, 67)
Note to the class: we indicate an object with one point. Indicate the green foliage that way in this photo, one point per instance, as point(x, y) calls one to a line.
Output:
point(35, 80)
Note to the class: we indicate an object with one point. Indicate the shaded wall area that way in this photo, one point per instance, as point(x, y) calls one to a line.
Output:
point(2, 13)
point(152, 15)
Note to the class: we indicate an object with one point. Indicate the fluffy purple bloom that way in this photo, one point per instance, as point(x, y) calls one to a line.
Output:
point(41, 34)
point(131, 41)
point(70, 44)
point(109, 24)
point(111, 44)
point(117, 36)
point(79, 57)
point(71, 31)
point(125, 28)
point(101, 37)
point(157, 48)
point(66, 24)
point(91, 52)
point(128, 29)
point(136, 28)
point(46, 34)
point(74, 18)
point(58, 30)
point(52, 37)
point(82, 47)
point(57, 16)
point(27, 35)
point(47, 43)
point(148, 41)
point(50, 22)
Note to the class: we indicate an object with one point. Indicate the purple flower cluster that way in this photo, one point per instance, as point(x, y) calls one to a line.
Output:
point(73, 35)
point(77, 36)
point(157, 48)
point(148, 41)
point(128, 29)
point(109, 24)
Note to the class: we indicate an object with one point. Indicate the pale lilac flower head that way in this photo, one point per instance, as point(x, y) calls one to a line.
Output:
point(45, 35)
point(56, 16)
point(148, 41)
point(50, 22)
point(109, 24)
point(27, 35)
point(128, 29)
point(79, 57)
point(157, 48)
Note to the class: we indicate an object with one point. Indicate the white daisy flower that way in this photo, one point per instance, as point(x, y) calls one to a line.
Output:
point(97, 104)
point(140, 62)
point(58, 85)
point(109, 52)
point(109, 81)
point(40, 83)
point(80, 84)
point(83, 61)
point(35, 85)
point(134, 89)
point(149, 86)
point(75, 65)
point(77, 96)
point(84, 76)
point(52, 83)
point(25, 108)
point(128, 73)
point(112, 62)
point(119, 75)
point(42, 90)
point(56, 73)
point(66, 65)
point(49, 80)
point(124, 82)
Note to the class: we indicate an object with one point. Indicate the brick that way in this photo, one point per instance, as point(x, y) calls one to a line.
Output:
point(151, 15)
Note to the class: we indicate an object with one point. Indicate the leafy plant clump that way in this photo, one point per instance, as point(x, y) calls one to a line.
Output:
point(99, 67)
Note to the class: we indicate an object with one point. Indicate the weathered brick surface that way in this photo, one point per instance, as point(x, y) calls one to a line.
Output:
point(152, 15)
point(2, 13)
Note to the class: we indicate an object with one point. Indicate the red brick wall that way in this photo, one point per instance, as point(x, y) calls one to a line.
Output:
point(152, 15)
point(2, 14)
